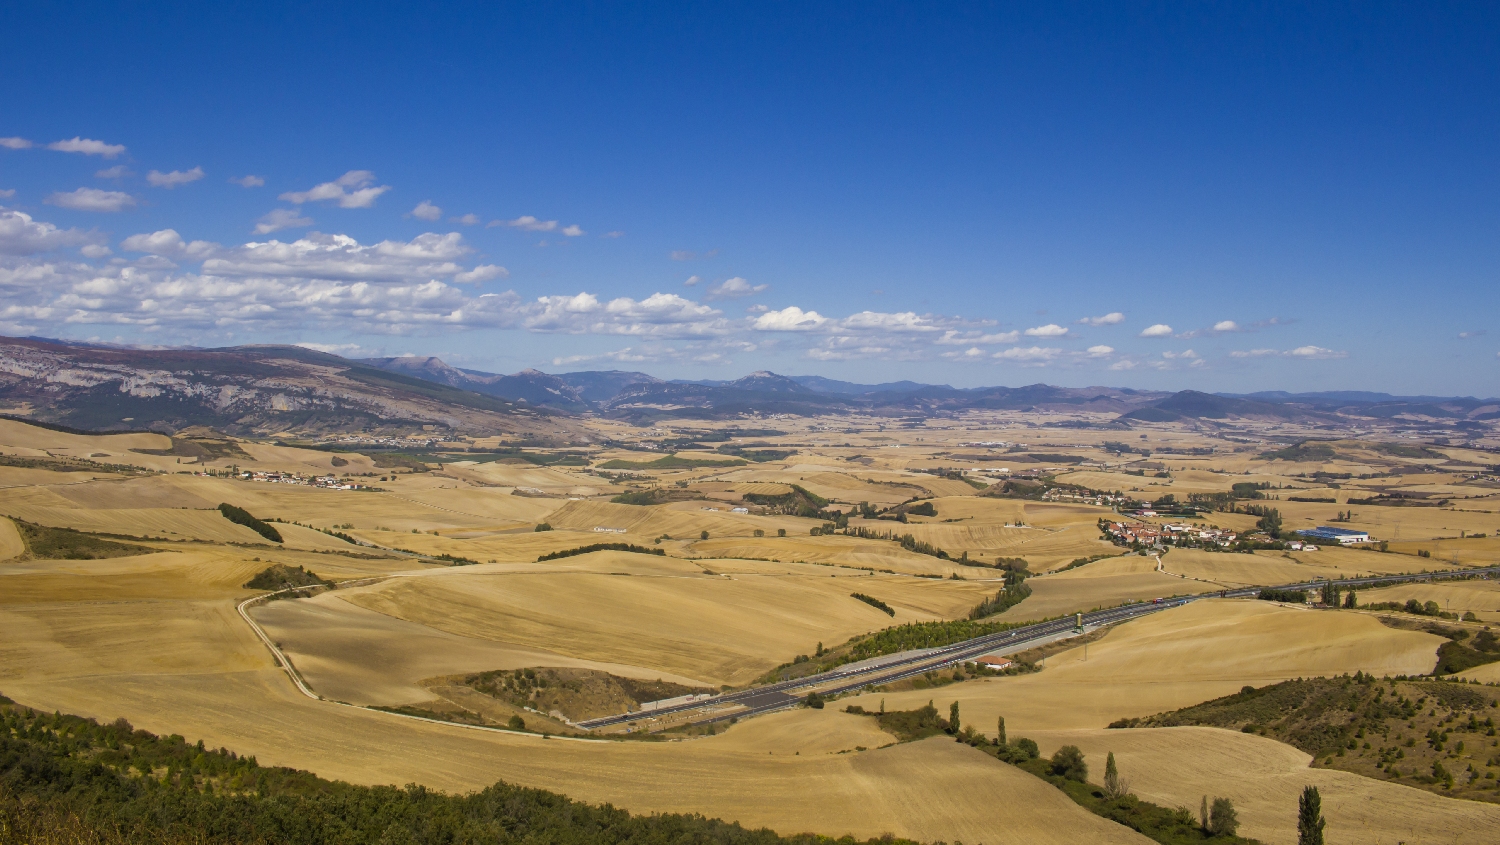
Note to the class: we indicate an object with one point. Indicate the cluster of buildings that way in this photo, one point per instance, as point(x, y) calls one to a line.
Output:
point(1087, 497)
point(1176, 534)
point(327, 482)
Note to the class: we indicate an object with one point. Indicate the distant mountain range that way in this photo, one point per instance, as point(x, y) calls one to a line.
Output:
point(288, 388)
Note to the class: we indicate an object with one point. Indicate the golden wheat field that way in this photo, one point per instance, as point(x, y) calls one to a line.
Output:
point(1180, 657)
point(1175, 767)
point(156, 637)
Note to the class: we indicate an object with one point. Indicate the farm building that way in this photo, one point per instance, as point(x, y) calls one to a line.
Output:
point(994, 661)
point(1343, 536)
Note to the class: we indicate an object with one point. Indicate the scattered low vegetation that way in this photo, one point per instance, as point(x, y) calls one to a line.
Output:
point(576, 693)
point(67, 780)
point(601, 547)
point(1437, 735)
point(672, 462)
point(240, 516)
point(279, 576)
point(46, 543)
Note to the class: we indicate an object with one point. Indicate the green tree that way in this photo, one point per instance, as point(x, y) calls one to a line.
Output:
point(1270, 523)
point(1331, 595)
point(814, 701)
point(1222, 820)
point(1203, 814)
point(781, 532)
point(1349, 601)
point(1068, 763)
point(516, 723)
point(1310, 821)
point(953, 718)
point(1112, 785)
point(999, 738)
point(702, 535)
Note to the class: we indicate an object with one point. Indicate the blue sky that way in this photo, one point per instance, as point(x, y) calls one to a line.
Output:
point(1218, 196)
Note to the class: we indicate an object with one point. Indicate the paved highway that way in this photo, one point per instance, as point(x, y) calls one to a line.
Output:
point(777, 696)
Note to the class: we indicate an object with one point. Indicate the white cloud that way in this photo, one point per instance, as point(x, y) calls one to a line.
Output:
point(757, 308)
point(92, 199)
point(1123, 364)
point(354, 189)
point(96, 251)
point(482, 273)
point(1189, 354)
point(21, 235)
point(1029, 355)
point(1109, 319)
point(119, 171)
point(16, 143)
point(973, 353)
point(10, 192)
point(1305, 352)
point(789, 319)
point(879, 321)
point(615, 234)
point(281, 218)
point(1226, 326)
point(248, 181)
point(693, 280)
point(660, 314)
point(340, 257)
point(685, 255)
point(168, 244)
point(1315, 352)
point(733, 289)
point(345, 350)
point(572, 231)
point(526, 223)
point(952, 337)
point(425, 210)
point(1101, 351)
point(1157, 330)
point(1049, 330)
point(467, 220)
point(86, 146)
point(171, 180)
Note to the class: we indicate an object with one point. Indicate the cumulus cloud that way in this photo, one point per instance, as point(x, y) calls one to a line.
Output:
point(953, 337)
point(1049, 330)
point(1028, 355)
point(660, 314)
point(92, 199)
point(527, 223)
point(685, 255)
point(7, 193)
point(467, 219)
point(248, 181)
point(168, 244)
point(21, 235)
point(86, 146)
point(1101, 351)
point(340, 257)
point(117, 172)
point(1305, 352)
point(171, 180)
point(281, 218)
point(1226, 326)
point(482, 273)
point(880, 321)
point(425, 210)
point(973, 353)
point(355, 189)
point(733, 289)
point(16, 143)
point(1157, 330)
point(789, 319)
point(693, 280)
point(1109, 319)
point(615, 234)
point(1123, 364)
point(1189, 354)
point(96, 251)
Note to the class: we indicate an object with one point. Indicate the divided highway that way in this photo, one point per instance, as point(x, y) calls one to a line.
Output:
point(777, 696)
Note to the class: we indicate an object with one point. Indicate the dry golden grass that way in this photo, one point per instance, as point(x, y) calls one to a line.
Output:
point(11, 544)
point(1104, 583)
point(189, 667)
point(717, 629)
point(1180, 657)
point(1477, 596)
point(1273, 568)
point(1264, 778)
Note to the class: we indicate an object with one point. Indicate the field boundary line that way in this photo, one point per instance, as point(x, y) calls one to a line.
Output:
point(306, 690)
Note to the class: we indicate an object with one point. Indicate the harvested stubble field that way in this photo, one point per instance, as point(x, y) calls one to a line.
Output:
point(1174, 767)
point(1104, 583)
point(1478, 596)
point(1180, 657)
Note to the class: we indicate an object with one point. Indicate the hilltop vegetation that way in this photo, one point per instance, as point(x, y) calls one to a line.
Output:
point(1432, 734)
point(46, 543)
point(66, 780)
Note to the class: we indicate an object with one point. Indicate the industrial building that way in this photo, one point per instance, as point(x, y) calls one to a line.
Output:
point(1342, 536)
